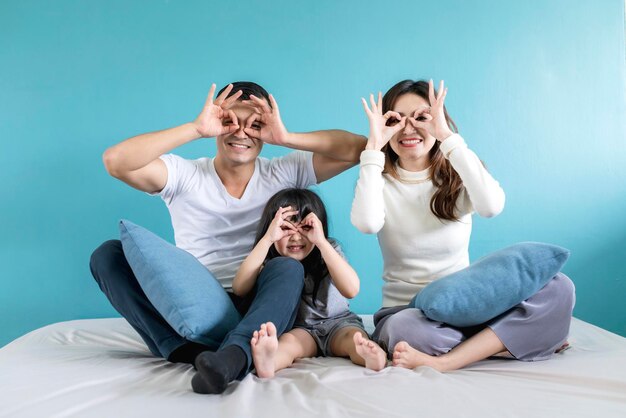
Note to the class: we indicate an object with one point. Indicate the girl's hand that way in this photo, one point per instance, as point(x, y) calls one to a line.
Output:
point(433, 120)
point(382, 127)
point(265, 124)
point(216, 117)
point(311, 228)
point(280, 226)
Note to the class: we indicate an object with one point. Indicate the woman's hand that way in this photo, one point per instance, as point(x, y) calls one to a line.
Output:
point(280, 226)
point(265, 124)
point(433, 120)
point(382, 127)
point(216, 117)
point(311, 228)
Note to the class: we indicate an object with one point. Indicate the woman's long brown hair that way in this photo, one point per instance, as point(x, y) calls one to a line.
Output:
point(444, 177)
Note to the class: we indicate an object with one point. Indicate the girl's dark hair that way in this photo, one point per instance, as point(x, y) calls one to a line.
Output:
point(247, 88)
point(446, 180)
point(305, 201)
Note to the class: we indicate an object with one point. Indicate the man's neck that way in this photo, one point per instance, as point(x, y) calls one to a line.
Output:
point(234, 177)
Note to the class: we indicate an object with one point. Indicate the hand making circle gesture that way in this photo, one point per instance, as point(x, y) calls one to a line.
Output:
point(280, 226)
point(312, 229)
point(216, 117)
point(433, 120)
point(265, 124)
point(382, 127)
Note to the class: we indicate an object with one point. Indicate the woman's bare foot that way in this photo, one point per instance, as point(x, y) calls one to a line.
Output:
point(374, 356)
point(406, 356)
point(264, 344)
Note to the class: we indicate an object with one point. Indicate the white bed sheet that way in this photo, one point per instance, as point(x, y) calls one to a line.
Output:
point(101, 368)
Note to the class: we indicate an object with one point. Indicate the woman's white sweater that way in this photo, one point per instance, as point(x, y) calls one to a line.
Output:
point(418, 247)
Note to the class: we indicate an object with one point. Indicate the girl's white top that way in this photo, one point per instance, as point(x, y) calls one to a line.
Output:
point(418, 247)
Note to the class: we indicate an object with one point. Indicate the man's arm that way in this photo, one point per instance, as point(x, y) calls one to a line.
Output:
point(333, 150)
point(136, 161)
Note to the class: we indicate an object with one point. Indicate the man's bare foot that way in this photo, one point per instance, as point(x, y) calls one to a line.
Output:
point(374, 356)
point(406, 356)
point(264, 344)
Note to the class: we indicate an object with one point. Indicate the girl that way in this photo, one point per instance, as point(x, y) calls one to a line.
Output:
point(418, 187)
point(294, 225)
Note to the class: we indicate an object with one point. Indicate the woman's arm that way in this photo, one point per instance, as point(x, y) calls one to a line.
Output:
point(368, 208)
point(485, 193)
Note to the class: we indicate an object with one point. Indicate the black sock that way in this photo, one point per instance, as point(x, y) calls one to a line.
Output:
point(217, 370)
point(187, 353)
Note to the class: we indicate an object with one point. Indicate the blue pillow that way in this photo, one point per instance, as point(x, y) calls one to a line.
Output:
point(492, 285)
point(184, 292)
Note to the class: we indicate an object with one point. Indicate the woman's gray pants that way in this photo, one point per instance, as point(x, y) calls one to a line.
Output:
point(532, 330)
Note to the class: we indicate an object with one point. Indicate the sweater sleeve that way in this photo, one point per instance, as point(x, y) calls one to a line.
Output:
point(485, 193)
point(368, 208)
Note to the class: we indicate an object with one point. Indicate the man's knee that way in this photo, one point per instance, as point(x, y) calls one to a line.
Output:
point(104, 258)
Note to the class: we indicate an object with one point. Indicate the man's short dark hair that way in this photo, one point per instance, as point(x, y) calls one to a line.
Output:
point(248, 88)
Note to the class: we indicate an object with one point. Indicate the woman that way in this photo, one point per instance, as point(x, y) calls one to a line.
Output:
point(418, 187)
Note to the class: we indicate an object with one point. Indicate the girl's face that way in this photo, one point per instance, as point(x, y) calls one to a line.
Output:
point(295, 246)
point(412, 145)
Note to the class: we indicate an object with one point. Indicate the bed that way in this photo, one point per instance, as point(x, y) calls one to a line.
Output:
point(101, 368)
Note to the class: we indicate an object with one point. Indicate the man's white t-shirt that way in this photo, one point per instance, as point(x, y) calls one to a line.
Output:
point(215, 227)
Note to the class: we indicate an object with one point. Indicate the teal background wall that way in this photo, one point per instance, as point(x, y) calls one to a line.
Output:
point(536, 87)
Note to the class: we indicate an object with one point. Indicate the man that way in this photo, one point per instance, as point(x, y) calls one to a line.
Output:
point(215, 204)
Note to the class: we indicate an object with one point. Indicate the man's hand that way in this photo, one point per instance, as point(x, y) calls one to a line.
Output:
point(265, 124)
point(216, 117)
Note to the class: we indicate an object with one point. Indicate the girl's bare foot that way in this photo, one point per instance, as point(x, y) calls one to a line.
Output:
point(264, 344)
point(406, 356)
point(374, 356)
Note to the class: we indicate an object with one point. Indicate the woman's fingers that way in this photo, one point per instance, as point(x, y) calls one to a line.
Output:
point(373, 103)
point(365, 106)
point(380, 101)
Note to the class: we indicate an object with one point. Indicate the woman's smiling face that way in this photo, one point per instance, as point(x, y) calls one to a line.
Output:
point(411, 144)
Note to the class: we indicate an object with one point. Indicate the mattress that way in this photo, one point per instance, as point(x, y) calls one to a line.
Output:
point(101, 368)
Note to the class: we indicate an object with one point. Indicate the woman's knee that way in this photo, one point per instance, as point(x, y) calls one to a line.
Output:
point(412, 326)
point(561, 288)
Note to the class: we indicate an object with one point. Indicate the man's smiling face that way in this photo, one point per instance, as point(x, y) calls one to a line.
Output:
point(238, 148)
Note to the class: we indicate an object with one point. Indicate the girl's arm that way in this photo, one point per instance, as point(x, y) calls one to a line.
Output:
point(245, 279)
point(342, 274)
point(368, 208)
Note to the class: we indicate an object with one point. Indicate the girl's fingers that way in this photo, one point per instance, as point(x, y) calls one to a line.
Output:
point(380, 101)
point(392, 114)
